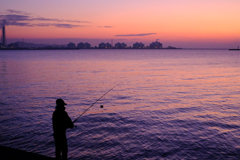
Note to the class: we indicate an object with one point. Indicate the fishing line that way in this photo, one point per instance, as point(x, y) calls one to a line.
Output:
point(96, 102)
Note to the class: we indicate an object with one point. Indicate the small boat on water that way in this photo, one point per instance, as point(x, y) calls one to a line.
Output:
point(237, 49)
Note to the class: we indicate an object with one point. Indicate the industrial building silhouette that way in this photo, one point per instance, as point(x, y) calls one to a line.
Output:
point(81, 45)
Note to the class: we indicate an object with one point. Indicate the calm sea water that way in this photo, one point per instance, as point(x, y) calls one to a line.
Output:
point(170, 104)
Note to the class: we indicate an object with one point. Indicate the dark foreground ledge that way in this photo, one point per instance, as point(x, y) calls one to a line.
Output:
point(15, 154)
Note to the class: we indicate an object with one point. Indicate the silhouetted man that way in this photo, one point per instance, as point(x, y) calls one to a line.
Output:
point(61, 122)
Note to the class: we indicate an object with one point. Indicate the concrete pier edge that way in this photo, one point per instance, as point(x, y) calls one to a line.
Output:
point(7, 153)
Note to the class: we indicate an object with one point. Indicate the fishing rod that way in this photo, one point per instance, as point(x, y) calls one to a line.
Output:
point(96, 102)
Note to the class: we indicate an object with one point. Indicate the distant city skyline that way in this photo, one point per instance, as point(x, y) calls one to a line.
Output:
point(186, 23)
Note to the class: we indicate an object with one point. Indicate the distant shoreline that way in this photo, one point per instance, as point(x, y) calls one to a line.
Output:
point(39, 49)
point(117, 49)
point(93, 48)
point(85, 48)
point(234, 49)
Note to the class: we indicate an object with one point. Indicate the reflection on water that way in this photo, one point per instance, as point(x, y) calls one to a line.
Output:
point(170, 104)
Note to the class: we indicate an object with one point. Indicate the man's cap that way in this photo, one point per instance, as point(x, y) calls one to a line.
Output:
point(60, 102)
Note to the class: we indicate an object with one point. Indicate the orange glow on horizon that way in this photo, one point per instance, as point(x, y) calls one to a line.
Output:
point(178, 21)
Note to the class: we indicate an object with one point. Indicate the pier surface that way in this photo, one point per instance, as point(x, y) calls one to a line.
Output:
point(7, 153)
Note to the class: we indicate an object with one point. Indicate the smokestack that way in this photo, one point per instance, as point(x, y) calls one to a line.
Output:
point(3, 35)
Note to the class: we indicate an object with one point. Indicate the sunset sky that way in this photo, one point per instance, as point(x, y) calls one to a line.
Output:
point(179, 23)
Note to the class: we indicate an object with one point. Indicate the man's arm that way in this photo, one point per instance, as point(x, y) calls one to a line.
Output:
point(69, 122)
